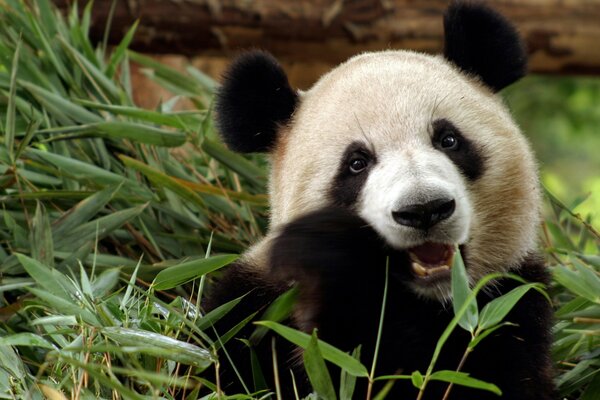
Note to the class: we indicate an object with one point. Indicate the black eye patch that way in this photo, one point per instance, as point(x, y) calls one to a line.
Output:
point(449, 140)
point(352, 174)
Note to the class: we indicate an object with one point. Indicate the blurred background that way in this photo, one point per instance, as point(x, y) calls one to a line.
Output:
point(561, 116)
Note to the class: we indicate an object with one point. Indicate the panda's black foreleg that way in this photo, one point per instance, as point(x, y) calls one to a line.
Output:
point(338, 262)
point(256, 291)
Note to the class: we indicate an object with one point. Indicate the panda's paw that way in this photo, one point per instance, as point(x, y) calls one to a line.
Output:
point(329, 244)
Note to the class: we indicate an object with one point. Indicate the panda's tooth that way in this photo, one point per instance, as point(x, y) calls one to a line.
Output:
point(419, 269)
point(439, 269)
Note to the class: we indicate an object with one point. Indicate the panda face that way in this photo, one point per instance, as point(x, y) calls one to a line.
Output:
point(419, 146)
point(426, 155)
point(410, 193)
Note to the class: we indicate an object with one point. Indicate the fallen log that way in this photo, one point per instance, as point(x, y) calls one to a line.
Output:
point(562, 36)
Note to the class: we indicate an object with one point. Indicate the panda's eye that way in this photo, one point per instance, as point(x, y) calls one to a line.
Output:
point(357, 164)
point(449, 141)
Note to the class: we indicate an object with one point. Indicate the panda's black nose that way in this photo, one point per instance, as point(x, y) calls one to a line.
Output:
point(424, 216)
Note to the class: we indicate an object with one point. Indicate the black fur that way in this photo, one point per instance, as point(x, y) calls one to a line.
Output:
point(254, 99)
point(346, 184)
point(466, 155)
point(338, 263)
point(483, 42)
point(258, 290)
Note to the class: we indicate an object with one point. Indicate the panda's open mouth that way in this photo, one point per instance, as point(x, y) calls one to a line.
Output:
point(431, 260)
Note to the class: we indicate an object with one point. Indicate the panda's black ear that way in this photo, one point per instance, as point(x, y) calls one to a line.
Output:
point(254, 99)
point(483, 42)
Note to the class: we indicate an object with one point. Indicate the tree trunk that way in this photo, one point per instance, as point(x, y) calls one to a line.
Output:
point(562, 36)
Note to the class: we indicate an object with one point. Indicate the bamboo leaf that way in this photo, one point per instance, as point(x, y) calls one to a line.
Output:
point(83, 211)
point(234, 162)
point(486, 332)
point(496, 310)
point(105, 282)
point(79, 31)
point(592, 259)
point(132, 279)
point(51, 393)
point(457, 316)
point(42, 247)
point(187, 271)
point(59, 105)
point(97, 228)
point(460, 293)
point(347, 381)
point(60, 320)
point(47, 278)
point(56, 62)
point(188, 189)
point(417, 379)
point(177, 80)
point(463, 379)
point(66, 307)
point(162, 180)
point(139, 133)
point(280, 309)
point(136, 132)
point(230, 334)
point(257, 199)
point(216, 314)
point(105, 379)
point(94, 75)
point(187, 120)
point(160, 345)
point(26, 339)
point(12, 363)
point(86, 172)
point(29, 133)
point(576, 282)
point(561, 238)
point(203, 79)
point(330, 353)
point(84, 281)
point(317, 371)
point(119, 52)
point(9, 130)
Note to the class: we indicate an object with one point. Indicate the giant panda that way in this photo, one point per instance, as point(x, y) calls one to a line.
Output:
point(397, 157)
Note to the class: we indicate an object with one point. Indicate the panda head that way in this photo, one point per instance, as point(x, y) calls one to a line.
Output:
point(419, 146)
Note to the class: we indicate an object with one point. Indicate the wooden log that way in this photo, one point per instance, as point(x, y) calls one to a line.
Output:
point(563, 36)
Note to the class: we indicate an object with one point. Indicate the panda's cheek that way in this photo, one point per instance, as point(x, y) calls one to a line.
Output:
point(461, 227)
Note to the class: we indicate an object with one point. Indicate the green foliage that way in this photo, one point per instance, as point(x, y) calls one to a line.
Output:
point(95, 206)
point(101, 215)
point(317, 371)
point(328, 352)
point(573, 247)
point(561, 115)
